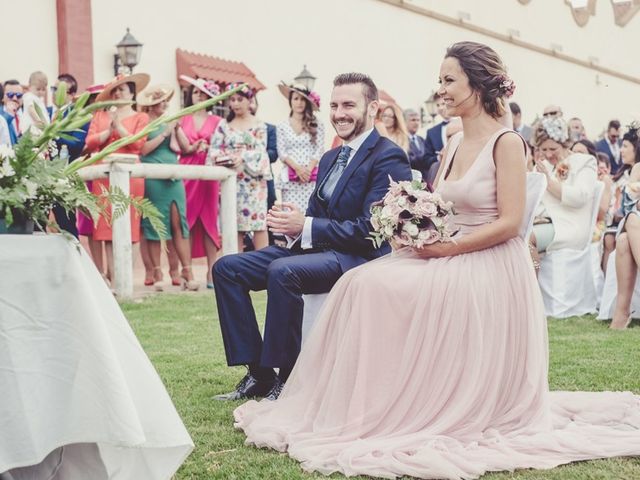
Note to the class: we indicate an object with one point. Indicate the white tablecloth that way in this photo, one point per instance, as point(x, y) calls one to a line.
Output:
point(73, 375)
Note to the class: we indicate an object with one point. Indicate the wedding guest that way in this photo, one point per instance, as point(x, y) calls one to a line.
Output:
point(84, 223)
point(203, 197)
point(300, 144)
point(74, 143)
point(565, 217)
point(436, 135)
point(518, 125)
point(584, 146)
point(330, 240)
point(11, 109)
point(107, 127)
point(552, 111)
point(628, 238)
point(433, 362)
point(611, 144)
point(34, 104)
point(240, 142)
point(576, 129)
point(624, 197)
point(396, 129)
point(168, 196)
point(417, 151)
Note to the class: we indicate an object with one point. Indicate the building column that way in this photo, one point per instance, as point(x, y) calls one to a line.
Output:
point(75, 40)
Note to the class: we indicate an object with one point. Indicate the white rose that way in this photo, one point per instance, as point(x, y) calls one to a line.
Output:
point(411, 229)
point(32, 187)
point(7, 152)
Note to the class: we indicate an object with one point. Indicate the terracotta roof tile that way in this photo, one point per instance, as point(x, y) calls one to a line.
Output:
point(219, 70)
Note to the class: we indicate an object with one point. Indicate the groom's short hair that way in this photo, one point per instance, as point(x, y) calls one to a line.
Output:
point(369, 88)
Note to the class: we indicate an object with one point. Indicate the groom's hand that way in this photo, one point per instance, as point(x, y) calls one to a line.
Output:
point(285, 219)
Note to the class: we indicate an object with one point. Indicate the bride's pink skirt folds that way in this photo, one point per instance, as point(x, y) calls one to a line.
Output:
point(437, 369)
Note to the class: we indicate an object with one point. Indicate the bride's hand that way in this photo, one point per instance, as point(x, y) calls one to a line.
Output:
point(436, 250)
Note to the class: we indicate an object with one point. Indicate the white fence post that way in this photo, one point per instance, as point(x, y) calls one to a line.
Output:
point(120, 168)
point(119, 176)
point(228, 215)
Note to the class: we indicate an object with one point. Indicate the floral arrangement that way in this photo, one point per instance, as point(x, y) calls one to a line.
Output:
point(241, 88)
point(315, 98)
point(506, 85)
point(410, 215)
point(34, 177)
point(556, 128)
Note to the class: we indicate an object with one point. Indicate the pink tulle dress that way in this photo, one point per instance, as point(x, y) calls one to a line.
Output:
point(438, 368)
point(203, 196)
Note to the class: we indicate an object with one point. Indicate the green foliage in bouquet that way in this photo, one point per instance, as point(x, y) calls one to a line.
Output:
point(33, 177)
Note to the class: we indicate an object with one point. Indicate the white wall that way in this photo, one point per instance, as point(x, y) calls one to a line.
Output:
point(22, 52)
point(402, 51)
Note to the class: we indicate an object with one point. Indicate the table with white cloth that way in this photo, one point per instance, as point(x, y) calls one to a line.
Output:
point(79, 399)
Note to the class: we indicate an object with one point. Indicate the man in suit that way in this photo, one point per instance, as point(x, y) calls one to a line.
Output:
point(436, 136)
point(331, 238)
point(610, 145)
point(417, 152)
point(516, 114)
point(11, 108)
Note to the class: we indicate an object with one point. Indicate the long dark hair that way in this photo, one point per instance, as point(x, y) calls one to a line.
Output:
point(632, 137)
point(309, 121)
point(188, 101)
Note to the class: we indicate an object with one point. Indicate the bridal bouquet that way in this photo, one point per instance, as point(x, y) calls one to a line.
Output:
point(412, 216)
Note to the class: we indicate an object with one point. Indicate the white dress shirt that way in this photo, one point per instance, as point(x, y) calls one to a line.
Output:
point(306, 241)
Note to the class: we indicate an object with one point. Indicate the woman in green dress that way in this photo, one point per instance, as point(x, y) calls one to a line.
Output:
point(168, 196)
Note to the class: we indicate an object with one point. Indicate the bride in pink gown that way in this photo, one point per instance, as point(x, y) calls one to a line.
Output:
point(433, 363)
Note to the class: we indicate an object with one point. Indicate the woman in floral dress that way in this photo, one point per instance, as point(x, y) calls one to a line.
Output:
point(240, 142)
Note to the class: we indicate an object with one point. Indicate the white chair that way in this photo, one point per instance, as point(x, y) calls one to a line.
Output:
point(536, 184)
point(610, 290)
point(566, 276)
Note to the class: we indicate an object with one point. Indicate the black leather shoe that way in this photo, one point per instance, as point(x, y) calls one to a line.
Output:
point(248, 387)
point(276, 390)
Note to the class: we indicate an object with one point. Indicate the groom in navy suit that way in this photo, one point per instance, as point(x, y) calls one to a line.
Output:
point(326, 241)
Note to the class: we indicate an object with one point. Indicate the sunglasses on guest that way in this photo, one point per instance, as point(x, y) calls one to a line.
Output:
point(15, 95)
point(551, 114)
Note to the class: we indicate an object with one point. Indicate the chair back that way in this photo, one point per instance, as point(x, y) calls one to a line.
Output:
point(595, 208)
point(536, 185)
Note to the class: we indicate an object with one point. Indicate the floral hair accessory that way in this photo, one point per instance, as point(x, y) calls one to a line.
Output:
point(245, 91)
point(556, 128)
point(212, 87)
point(315, 98)
point(506, 85)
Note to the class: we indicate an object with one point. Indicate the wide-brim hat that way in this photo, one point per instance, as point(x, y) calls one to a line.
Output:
point(301, 90)
point(141, 80)
point(206, 86)
point(95, 89)
point(154, 95)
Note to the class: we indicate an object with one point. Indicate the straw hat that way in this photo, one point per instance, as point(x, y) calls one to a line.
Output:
point(206, 86)
point(154, 95)
point(95, 89)
point(300, 89)
point(140, 79)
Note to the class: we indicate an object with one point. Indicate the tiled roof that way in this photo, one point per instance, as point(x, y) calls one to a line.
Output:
point(219, 70)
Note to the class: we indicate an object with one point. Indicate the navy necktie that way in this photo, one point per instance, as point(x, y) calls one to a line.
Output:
point(331, 180)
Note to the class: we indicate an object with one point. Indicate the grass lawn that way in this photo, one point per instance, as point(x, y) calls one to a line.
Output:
point(181, 335)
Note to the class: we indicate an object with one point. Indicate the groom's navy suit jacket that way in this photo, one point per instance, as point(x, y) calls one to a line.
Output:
point(343, 224)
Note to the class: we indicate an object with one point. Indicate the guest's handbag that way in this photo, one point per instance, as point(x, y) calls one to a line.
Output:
point(293, 176)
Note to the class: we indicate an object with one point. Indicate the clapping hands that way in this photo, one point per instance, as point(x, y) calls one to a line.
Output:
point(285, 219)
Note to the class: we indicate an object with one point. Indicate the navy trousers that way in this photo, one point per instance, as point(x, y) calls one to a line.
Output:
point(286, 275)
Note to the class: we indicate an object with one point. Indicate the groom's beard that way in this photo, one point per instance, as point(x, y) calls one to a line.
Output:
point(359, 126)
